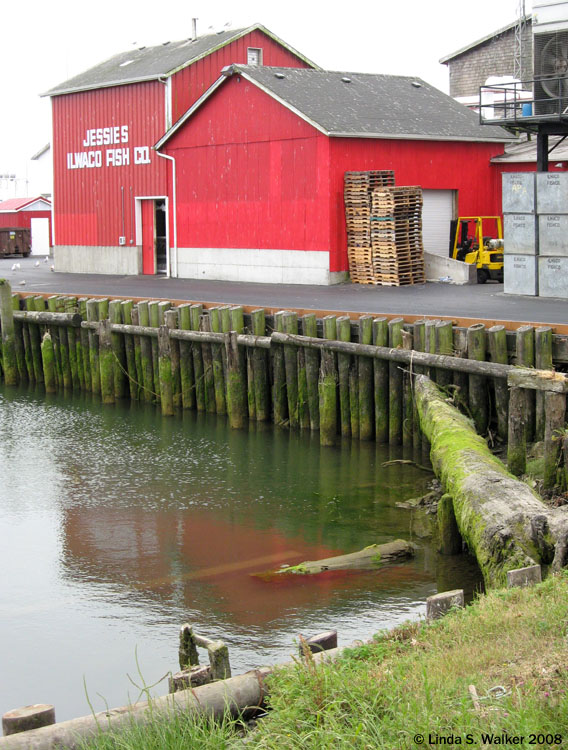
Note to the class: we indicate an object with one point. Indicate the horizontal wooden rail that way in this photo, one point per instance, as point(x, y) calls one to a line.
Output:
point(51, 318)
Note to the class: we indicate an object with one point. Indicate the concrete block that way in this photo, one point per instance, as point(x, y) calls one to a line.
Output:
point(551, 192)
point(553, 234)
point(519, 233)
point(520, 274)
point(440, 604)
point(320, 642)
point(519, 192)
point(524, 576)
point(553, 277)
point(440, 267)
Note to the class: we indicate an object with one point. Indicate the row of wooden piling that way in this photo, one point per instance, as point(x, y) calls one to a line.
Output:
point(219, 360)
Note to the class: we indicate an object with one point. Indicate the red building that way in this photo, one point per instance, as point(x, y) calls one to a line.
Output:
point(260, 160)
point(29, 213)
point(110, 188)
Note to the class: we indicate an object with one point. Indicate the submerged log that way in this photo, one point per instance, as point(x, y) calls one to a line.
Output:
point(504, 523)
point(369, 558)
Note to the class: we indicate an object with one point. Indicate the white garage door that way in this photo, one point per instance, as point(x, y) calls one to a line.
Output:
point(437, 213)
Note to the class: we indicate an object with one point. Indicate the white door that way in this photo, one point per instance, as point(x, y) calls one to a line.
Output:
point(40, 236)
point(437, 214)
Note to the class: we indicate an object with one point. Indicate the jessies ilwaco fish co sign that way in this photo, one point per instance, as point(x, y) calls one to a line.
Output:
point(114, 152)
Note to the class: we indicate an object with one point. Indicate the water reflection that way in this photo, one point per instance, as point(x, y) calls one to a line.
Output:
point(119, 525)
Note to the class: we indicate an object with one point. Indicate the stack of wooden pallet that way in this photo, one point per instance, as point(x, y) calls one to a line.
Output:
point(396, 236)
point(358, 189)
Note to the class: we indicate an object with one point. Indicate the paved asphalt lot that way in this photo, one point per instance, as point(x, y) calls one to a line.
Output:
point(434, 299)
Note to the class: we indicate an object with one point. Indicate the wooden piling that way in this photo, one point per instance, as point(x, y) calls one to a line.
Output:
point(260, 369)
point(517, 441)
point(219, 660)
point(418, 343)
point(477, 389)
point(381, 382)
point(55, 340)
point(290, 320)
point(555, 412)
point(119, 351)
point(309, 328)
point(92, 316)
point(130, 351)
point(74, 343)
point(48, 363)
point(83, 337)
point(211, 388)
point(186, 360)
point(171, 318)
point(430, 344)
point(9, 360)
point(195, 311)
point(236, 386)
point(461, 382)
point(279, 397)
point(237, 316)
point(327, 386)
point(543, 361)
point(19, 343)
point(154, 314)
point(525, 357)
point(450, 541)
point(106, 362)
point(135, 320)
point(35, 343)
point(497, 340)
point(366, 409)
point(346, 416)
point(395, 384)
point(165, 372)
point(444, 344)
point(217, 351)
point(146, 354)
point(407, 399)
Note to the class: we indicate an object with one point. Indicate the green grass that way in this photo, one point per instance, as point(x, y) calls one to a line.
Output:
point(512, 645)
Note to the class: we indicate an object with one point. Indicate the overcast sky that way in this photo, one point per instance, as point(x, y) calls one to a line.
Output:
point(44, 43)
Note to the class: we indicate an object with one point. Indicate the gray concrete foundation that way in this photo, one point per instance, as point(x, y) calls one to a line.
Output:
point(121, 260)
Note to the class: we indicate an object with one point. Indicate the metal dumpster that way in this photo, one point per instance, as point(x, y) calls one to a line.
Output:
point(15, 241)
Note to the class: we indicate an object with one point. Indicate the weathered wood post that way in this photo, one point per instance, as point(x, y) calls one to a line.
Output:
point(118, 350)
point(517, 440)
point(497, 339)
point(461, 382)
point(525, 357)
point(19, 342)
point(165, 371)
point(9, 360)
point(291, 365)
point(72, 335)
point(186, 360)
point(450, 541)
point(92, 317)
point(54, 331)
point(327, 386)
point(260, 368)
point(171, 319)
point(238, 325)
point(407, 399)
point(347, 411)
point(106, 362)
point(303, 407)
point(188, 656)
point(146, 353)
point(236, 386)
point(312, 357)
point(555, 414)
point(543, 361)
point(219, 660)
point(154, 314)
point(430, 343)
point(217, 355)
point(366, 410)
point(28, 717)
point(83, 335)
point(48, 361)
point(35, 343)
point(279, 398)
point(444, 345)
point(208, 374)
point(195, 311)
point(476, 347)
point(381, 382)
point(130, 350)
point(395, 384)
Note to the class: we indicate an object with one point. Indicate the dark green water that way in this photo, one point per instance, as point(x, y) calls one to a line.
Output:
point(118, 525)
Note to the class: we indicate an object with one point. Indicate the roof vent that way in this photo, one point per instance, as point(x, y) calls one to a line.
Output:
point(416, 84)
point(125, 63)
point(345, 79)
point(279, 75)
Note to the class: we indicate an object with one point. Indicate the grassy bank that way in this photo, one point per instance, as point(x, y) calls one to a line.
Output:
point(512, 645)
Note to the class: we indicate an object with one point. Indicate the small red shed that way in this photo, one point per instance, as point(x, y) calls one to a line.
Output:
point(260, 160)
point(29, 213)
point(110, 186)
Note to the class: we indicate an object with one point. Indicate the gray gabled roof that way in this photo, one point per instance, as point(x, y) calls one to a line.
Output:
point(362, 105)
point(484, 39)
point(150, 63)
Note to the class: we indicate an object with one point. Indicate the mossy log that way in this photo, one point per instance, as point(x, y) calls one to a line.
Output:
point(369, 558)
point(504, 523)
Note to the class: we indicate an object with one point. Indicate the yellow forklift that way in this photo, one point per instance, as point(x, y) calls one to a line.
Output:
point(479, 240)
